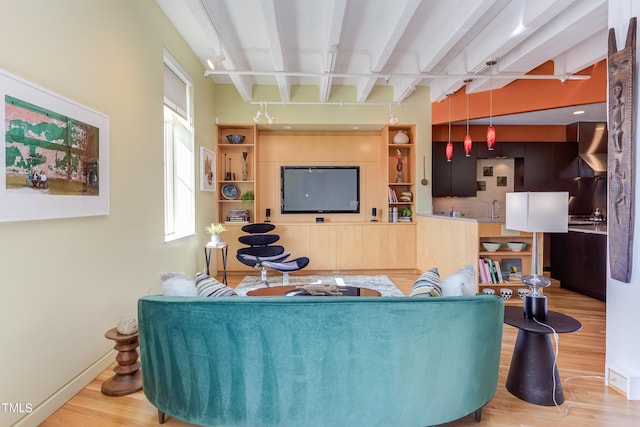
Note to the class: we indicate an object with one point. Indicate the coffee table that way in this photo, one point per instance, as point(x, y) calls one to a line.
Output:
point(348, 291)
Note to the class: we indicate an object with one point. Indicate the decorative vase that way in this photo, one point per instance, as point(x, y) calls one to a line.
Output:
point(215, 238)
point(400, 138)
point(244, 166)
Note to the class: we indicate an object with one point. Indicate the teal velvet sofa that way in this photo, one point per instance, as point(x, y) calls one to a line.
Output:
point(319, 361)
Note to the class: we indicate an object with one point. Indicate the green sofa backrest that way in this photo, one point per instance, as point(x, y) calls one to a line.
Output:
point(320, 361)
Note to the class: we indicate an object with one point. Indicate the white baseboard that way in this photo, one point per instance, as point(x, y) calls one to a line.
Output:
point(44, 409)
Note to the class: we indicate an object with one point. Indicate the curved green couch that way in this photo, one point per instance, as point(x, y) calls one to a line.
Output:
point(319, 361)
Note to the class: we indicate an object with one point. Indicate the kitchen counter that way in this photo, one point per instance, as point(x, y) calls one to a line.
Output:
point(592, 229)
point(462, 218)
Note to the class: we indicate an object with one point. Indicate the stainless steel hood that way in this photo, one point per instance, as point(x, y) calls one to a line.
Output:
point(592, 140)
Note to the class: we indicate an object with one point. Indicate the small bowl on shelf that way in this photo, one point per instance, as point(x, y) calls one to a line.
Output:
point(491, 246)
point(235, 138)
point(516, 246)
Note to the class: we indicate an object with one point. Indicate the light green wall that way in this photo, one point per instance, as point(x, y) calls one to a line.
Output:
point(65, 282)
point(416, 109)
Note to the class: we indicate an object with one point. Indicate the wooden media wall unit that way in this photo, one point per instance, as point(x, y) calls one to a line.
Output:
point(342, 241)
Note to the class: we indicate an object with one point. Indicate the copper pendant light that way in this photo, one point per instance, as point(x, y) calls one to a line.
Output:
point(468, 144)
point(491, 131)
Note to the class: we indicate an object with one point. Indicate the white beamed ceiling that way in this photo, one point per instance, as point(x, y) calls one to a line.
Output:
point(364, 43)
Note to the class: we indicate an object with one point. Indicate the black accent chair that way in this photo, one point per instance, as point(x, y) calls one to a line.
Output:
point(260, 248)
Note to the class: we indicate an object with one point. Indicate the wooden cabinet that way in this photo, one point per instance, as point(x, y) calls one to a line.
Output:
point(496, 232)
point(332, 247)
point(457, 177)
point(236, 172)
point(401, 182)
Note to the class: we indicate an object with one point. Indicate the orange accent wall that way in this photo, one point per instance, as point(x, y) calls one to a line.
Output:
point(526, 95)
point(505, 133)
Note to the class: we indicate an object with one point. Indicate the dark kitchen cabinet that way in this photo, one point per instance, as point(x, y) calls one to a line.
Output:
point(578, 261)
point(510, 150)
point(549, 166)
point(455, 178)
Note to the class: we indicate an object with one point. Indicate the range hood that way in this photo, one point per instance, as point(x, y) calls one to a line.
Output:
point(592, 140)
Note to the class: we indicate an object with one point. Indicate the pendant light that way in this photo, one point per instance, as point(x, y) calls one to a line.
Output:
point(449, 149)
point(468, 144)
point(491, 131)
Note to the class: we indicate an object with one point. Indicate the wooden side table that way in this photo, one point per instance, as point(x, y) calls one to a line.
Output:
point(532, 373)
point(128, 377)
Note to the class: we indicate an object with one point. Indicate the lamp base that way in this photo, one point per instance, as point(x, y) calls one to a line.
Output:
point(535, 307)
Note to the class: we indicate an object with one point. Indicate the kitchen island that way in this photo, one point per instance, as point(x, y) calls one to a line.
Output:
point(450, 243)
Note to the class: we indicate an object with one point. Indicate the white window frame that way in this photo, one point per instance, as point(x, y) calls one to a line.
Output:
point(179, 159)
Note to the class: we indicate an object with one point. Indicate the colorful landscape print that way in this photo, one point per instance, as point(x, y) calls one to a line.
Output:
point(49, 153)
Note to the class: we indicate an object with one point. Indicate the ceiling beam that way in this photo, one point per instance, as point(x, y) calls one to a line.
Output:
point(275, 46)
point(332, 42)
point(380, 56)
point(207, 19)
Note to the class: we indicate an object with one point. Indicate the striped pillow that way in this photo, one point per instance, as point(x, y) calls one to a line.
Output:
point(207, 286)
point(427, 285)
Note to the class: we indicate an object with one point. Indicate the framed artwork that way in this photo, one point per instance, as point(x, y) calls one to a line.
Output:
point(55, 162)
point(501, 181)
point(207, 170)
point(487, 171)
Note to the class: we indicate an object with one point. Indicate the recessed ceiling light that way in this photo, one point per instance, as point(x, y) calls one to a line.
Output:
point(286, 127)
point(355, 127)
point(210, 64)
point(578, 112)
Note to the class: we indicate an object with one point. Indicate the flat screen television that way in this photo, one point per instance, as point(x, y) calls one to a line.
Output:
point(319, 189)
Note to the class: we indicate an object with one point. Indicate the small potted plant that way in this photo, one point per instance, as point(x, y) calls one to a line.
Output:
point(215, 229)
point(247, 199)
point(405, 214)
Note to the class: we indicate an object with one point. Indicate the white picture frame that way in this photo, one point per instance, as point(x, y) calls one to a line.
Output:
point(55, 160)
point(207, 170)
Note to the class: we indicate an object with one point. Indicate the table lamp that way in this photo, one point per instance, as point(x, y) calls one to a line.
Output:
point(546, 212)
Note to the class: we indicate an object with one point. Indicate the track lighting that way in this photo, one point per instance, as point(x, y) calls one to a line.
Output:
point(216, 62)
point(392, 117)
point(262, 112)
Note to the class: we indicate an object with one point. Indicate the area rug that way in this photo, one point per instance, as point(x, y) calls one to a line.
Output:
point(381, 283)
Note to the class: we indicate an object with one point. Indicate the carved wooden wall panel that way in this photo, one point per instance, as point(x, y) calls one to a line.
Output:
point(621, 69)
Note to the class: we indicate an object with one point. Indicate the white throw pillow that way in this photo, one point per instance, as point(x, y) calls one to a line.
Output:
point(462, 282)
point(178, 285)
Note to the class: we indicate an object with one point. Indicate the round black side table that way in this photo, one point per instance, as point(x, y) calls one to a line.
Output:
point(532, 371)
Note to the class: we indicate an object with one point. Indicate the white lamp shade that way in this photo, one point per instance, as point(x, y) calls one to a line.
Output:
point(546, 212)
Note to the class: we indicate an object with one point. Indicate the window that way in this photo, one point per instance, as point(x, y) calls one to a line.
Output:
point(179, 176)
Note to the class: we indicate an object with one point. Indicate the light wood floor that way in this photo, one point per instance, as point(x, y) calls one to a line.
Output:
point(580, 362)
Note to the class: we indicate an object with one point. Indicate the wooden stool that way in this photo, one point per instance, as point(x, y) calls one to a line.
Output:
point(128, 377)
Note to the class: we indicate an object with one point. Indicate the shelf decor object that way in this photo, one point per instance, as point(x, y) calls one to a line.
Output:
point(544, 212)
point(401, 137)
point(230, 192)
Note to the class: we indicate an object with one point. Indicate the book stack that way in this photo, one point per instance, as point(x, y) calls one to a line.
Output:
point(393, 197)
point(490, 272)
point(238, 216)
